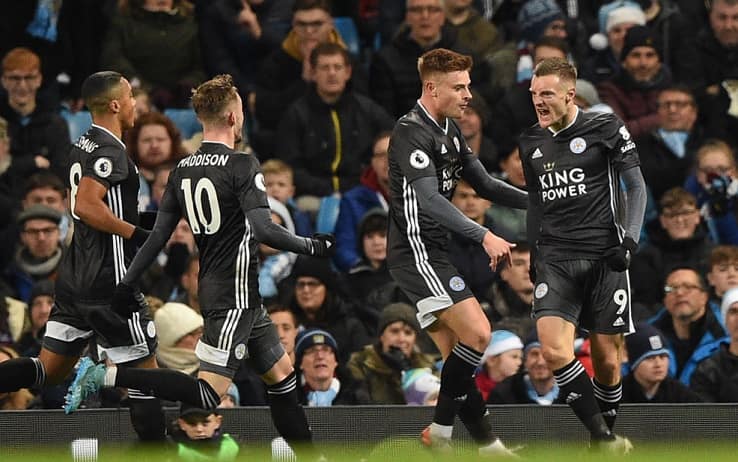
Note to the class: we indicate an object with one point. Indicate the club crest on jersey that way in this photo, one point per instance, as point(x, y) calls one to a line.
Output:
point(103, 167)
point(419, 160)
point(578, 145)
point(624, 133)
point(240, 351)
point(259, 182)
point(457, 284)
point(457, 144)
point(541, 290)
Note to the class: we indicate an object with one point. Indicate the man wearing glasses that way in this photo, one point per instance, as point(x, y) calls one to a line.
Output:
point(39, 137)
point(692, 326)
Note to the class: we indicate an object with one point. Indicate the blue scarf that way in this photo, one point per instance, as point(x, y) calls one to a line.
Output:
point(675, 140)
point(543, 400)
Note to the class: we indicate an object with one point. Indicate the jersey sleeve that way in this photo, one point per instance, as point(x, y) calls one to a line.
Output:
point(107, 164)
point(169, 201)
point(622, 149)
point(250, 184)
point(412, 151)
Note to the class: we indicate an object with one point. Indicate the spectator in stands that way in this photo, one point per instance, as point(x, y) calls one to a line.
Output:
point(317, 301)
point(189, 283)
point(633, 93)
point(514, 220)
point(276, 264)
point(16, 400)
point(692, 326)
point(12, 316)
point(371, 272)
point(284, 74)
point(238, 35)
point(677, 238)
point(474, 32)
point(716, 378)
point(723, 271)
point(669, 150)
point(39, 308)
point(153, 142)
point(378, 368)
point(155, 45)
point(331, 128)
point(39, 137)
point(587, 99)
point(198, 435)
point(5, 162)
point(279, 179)
point(473, 122)
point(394, 81)
point(47, 189)
point(163, 278)
point(39, 253)
point(534, 384)
point(158, 184)
point(323, 381)
point(510, 297)
point(178, 328)
point(649, 380)
point(605, 63)
point(287, 327)
point(712, 183)
point(501, 359)
point(673, 29)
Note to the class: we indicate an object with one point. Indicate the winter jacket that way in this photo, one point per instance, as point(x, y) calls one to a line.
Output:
point(716, 378)
point(669, 391)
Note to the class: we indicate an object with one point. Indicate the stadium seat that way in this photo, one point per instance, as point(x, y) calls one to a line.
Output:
point(185, 120)
point(325, 222)
point(78, 122)
point(349, 33)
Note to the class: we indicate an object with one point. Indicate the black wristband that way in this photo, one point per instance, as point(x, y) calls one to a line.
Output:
point(629, 244)
point(139, 235)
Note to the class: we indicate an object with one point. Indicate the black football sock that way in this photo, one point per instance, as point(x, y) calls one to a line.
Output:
point(457, 373)
point(20, 373)
point(289, 417)
point(147, 416)
point(576, 388)
point(168, 384)
point(472, 414)
point(608, 398)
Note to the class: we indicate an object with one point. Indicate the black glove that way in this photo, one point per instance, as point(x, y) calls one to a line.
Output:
point(323, 245)
point(126, 300)
point(396, 359)
point(618, 258)
point(139, 236)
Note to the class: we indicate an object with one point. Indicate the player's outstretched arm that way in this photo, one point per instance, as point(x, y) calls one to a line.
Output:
point(275, 236)
point(491, 188)
point(90, 207)
point(443, 211)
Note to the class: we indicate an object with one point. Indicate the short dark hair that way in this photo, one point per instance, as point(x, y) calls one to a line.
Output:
point(44, 179)
point(98, 90)
point(211, 99)
point(722, 254)
point(556, 66)
point(676, 197)
point(681, 88)
point(280, 308)
point(329, 49)
point(552, 42)
point(442, 61)
point(301, 5)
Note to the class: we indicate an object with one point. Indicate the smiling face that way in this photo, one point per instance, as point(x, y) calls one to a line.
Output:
point(552, 99)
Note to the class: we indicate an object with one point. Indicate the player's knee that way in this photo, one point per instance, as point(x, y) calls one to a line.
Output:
point(477, 339)
point(608, 369)
point(555, 356)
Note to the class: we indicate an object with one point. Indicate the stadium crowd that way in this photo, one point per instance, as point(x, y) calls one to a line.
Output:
point(322, 86)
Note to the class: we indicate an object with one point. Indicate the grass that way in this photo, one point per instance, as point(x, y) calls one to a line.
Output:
point(404, 450)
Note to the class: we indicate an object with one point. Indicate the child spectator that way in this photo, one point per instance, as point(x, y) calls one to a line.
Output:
point(198, 436)
point(501, 359)
point(280, 185)
point(276, 265)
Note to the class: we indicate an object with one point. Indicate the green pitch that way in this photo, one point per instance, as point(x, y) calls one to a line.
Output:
point(408, 451)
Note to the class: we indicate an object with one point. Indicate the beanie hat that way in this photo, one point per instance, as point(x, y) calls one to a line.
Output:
point(729, 297)
point(318, 268)
point(41, 287)
point(501, 341)
point(398, 312)
point(535, 15)
point(312, 337)
point(420, 386)
point(625, 14)
point(281, 210)
point(234, 394)
point(603, 14)
point(639, 36)
point(587, 92)
point(39, 212)
point(175, 320)
point(645, 342)
point(531, 341)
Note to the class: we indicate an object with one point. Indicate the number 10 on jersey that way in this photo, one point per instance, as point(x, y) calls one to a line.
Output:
point(194, 201)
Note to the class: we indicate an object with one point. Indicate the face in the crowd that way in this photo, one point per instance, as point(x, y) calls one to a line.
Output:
point(676, 110)
point(723, 276)
point(556, 28)
point(375, 246)
point(398, 334)
point(40, 237)
point(312, 26)
point(318, 362)
point(731, 322)
point(22, 84)
point(680, 222)
point(280, 186)
point(154, 145)
point(512, 166)
point(127, 113)
point(653, 369)
point(685, 298)
point(201, 429)
point(470, 123)
point(642, 63)
point(472, 205)
point(616, 37)
point(452, 94)
point(286, 326)
point(545, 52)
point(47, 196)
point(724, 23)
point(189, 341)
point(505, 364)
point(517, 274)
point(310, 293)
point(183, 235)
point(551, 99)
point(380, 160)
point(40, 310)
point(331, 74)
point(715, 162)
point(425, 19)
point(536, 365)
